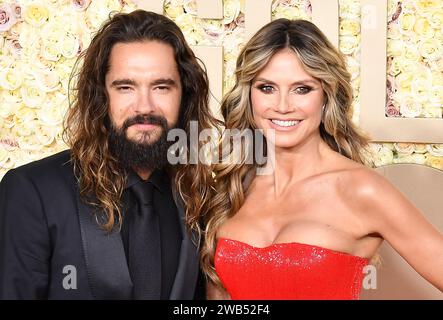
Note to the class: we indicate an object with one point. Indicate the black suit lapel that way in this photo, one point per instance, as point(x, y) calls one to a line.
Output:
point(188, 267)
point(108, 273)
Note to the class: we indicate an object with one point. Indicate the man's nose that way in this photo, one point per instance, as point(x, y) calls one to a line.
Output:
point(145, 102)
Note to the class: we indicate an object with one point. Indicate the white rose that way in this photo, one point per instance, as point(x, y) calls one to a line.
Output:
point(409, 107)
point(69, 46)
point(36, 14)
point(353, 66)
point(173, 11)
point(98, 12)
point(414, 158)
point(435, 149)
point(431, 49)
point(409, 66)
point(29, 143)
point(404, 148)
point(411, 52)
point(394, 66)
point(384, 156)
point(3, 154)
point(434, 161)
point(349, 27)
point(406, 22)
point(47, 80)
point(24, 116)
point(426, 5)
point(436, 19)
point(50, 51)
point(393, 32)
point(429, 111)
point(45, 135)
point(287, 12)
point(11, 78)
point(28, 38)
point(420, 148)
point(190, 7)
point(348, 44)
point(403, 81)
point(395, 47)
point(349, 10)
point(408, 6)
point(420, 89)
point(11, 96)
point(32, 95)
point(437, 69)
point(51, 115)
point(214, 31)
point(436, 96)
point(191, 29)
point(423, 28)
point(6, 160)
point(6, 61)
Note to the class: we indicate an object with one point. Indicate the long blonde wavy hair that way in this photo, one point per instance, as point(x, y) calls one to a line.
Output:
point(322, 61)
point(101, 178)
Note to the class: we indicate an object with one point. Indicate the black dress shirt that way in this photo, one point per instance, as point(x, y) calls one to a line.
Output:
point(170, 232)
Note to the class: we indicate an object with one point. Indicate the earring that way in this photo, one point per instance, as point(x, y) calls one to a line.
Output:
point(323, 113)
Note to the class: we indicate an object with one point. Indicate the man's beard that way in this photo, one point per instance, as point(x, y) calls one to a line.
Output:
point(145, 155)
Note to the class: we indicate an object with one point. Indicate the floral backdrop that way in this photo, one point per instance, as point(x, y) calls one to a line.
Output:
point(40, 41)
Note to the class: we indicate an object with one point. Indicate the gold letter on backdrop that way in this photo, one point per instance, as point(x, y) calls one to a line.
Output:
point(257, 14)
point(210, 9)
point(324, 15)
point(373, 86)
point(151, 5)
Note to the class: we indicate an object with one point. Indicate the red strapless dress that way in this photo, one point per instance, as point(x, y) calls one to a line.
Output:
point(287, 271)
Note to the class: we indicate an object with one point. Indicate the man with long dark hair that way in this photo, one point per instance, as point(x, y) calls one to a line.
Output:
point(104, 219)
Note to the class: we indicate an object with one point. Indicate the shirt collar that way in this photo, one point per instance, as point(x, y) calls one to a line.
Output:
point(159, 179)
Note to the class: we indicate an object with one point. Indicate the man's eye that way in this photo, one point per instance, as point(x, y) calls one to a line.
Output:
point(303, 90)
point(162, 88)
point(123, 88)
point(266, 89)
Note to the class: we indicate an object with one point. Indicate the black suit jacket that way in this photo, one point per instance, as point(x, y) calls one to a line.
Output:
point(46, 232)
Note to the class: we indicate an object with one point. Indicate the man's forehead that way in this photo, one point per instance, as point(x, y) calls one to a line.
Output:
point(151, 58)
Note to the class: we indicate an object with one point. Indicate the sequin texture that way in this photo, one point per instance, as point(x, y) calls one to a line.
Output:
point(287, 271)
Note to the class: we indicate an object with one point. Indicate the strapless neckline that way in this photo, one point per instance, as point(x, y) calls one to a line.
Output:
point(292, 243)
point(287, 270)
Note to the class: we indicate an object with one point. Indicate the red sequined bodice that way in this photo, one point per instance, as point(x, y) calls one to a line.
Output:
point(287, 271)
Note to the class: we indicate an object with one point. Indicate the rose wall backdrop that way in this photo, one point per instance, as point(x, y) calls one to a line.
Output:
point(40, 41)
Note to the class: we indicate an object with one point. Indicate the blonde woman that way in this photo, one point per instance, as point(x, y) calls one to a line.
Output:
point(307, 230)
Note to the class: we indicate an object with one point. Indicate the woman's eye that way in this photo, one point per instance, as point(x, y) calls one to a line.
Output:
point(266, 89)
point(303, 90)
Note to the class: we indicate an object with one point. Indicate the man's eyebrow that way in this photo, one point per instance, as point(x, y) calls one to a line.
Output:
point(156, 82)
point(120, 82)
point(165, 81)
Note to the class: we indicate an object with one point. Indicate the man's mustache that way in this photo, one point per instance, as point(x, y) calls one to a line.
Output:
point(145, 119)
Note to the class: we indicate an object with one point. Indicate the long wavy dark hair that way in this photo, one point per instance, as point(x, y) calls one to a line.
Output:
point(101, 178)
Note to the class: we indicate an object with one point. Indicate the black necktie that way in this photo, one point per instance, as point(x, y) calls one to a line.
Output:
point(144, 245)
